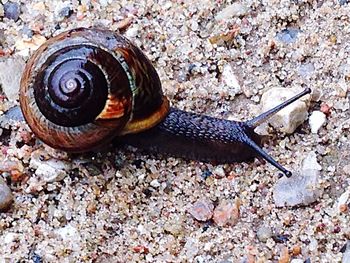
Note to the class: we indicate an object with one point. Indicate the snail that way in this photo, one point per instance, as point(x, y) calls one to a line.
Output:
point(84, 87)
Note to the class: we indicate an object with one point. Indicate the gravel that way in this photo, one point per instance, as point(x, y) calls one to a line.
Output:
point(10, 74)
point(303, 188)
point(292, 116)
point(12, 10)
point(264, 233)
point(6, 197)
point(316, 120)
point(122, 205)
point(202, 210)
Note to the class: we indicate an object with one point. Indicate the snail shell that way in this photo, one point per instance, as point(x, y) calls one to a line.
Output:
point(86, 86)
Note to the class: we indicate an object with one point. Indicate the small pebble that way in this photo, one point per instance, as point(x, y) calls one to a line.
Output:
point(103, 3)
point(284, 257)
point(206, 174)
point(343, 200)
point(6, 197)
point(219, 172)
point(14, 168)
point(14, 114)
point(235, 9)
point(346, 254)
point(296, 250)
point(226, 213)
point(12, 10)
point(264, 233)
point(154, 183)
point(141, 249)
point(51, 170)
point(25, 45)
point(174, 227)
point(36, 258)
point(326, 109)
point(280, 238)
point(289, 118)
point(10, 75)
point(27, 32)
point(343, 2)
point(310, 162)
point(288, 35)
point(342, 104)
point(317, 120)
point(300, 189)
point(67, 232)
point(229, 78)
point(346, 169)
point(306, 70)
point(191, 247)
point(202, 210)
point(2, 35)
point(2, 12)
point(65, 12)
point(132, 32)
point(40, 6)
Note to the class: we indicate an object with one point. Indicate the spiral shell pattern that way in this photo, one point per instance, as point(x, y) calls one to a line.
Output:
point(85, 86)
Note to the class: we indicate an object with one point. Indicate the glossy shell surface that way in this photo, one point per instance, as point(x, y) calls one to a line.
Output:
point(85, 86)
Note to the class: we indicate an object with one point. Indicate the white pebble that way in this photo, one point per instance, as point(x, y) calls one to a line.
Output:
point(51, 170)
point(343, 199)
point(219, 172)
point(289, 118)
point(310, 162)
point(155, 183)
point(103, 3)
point(236, 9)
point(132, 32)
point(229, 78)
point(317, 120)
point(11, 70)
point(10, 237)
point(346, 169)
point(67, 232)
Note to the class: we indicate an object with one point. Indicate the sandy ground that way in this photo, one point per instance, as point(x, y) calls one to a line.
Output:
point(123, 205)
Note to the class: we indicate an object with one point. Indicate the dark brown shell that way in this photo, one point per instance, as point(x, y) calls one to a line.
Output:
point(83, 87)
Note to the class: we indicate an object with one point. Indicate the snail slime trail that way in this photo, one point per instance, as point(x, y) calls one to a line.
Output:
point(101, 86)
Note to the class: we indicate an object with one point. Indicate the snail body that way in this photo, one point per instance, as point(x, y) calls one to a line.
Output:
point(85, 87)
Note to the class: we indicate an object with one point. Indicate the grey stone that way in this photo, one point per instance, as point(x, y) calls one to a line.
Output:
point(346, 255)
point(264, 233)
point(11, 70)
point(6, 197)
point(12, 10)
point(288, 35)
point(302, 188)
point(234, 10)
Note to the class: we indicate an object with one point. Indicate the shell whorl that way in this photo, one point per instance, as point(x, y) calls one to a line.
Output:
point(85, 86)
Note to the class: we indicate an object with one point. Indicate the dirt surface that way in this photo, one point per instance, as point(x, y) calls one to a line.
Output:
point(124, 205)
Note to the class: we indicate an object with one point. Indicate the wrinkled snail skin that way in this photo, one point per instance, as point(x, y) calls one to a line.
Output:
point(85, 87)
point(197, 137)
point(200, 137)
